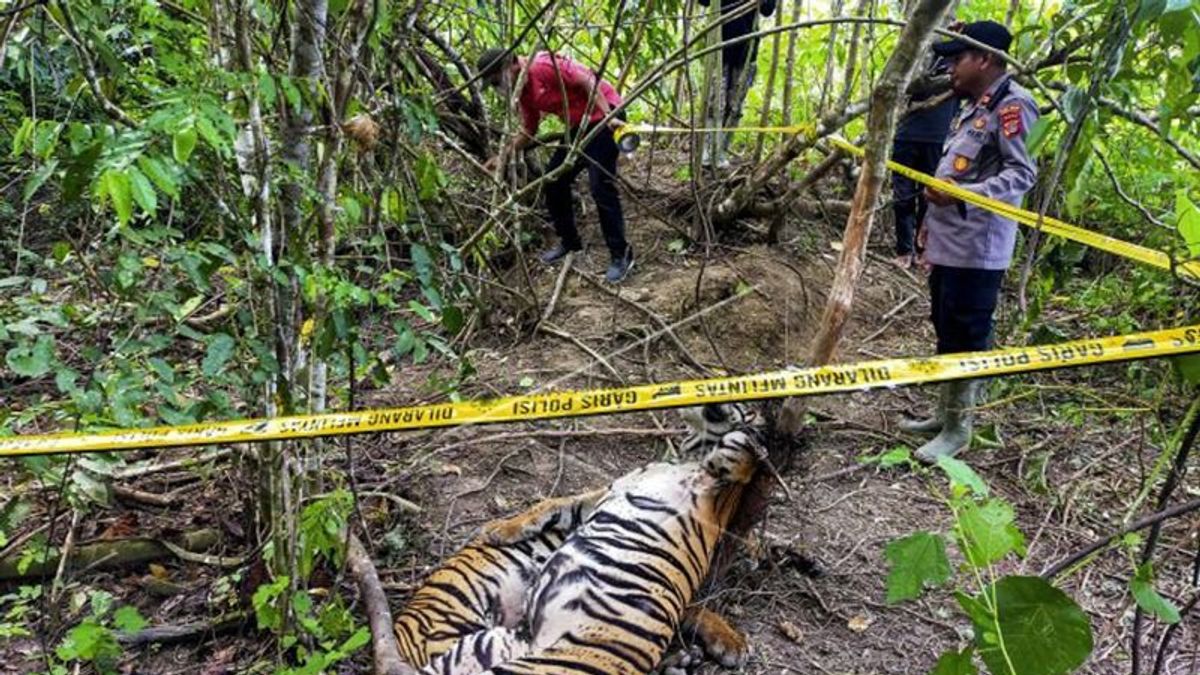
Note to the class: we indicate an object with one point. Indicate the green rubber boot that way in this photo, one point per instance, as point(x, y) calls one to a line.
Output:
point(932, 424)
point(956, 423)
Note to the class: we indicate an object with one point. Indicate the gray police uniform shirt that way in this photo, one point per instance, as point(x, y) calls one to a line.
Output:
point(984, 153)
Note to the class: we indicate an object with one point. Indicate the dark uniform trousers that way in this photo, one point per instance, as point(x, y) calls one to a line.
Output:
point(599, 157)
point(908, 197)
point(962, 302)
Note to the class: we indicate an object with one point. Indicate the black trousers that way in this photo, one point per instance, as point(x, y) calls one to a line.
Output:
point(599, 157)
point(908, 198)
point(962, 303)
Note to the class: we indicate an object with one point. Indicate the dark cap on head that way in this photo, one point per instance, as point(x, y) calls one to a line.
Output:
point(990, 33)
point(491, 61)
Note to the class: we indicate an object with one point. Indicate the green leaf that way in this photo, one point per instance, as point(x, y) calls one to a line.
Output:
point(21, 137)
point(220, 349)
point(960, 473)
point(89, 641)
point(80, 169)
point(1188, 367)
point(117, 185)
point(38, 179)
point(129, 620)
point(143, 191)
point(31, 360)
point(897, 456)
point(183, 143)
point(916, 561)
point(452, 319)
point(159, 175)
point(266, 89)
point(1142, 586)
point(956, 663)
point(1039, 132)
point(986, 532)
point(1187, 221)
point(422, 311)
point(1040, 629)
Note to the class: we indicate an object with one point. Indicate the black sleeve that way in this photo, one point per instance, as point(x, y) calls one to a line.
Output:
point(704, 3)
point(766, 7)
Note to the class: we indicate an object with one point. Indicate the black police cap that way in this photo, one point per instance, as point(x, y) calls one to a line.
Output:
point(990, 33)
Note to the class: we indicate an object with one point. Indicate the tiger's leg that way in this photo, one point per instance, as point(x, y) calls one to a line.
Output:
point(478, 653)
point(721, 641)
point(561, 514)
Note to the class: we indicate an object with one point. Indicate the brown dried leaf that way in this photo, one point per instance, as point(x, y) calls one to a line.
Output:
point(790, 631)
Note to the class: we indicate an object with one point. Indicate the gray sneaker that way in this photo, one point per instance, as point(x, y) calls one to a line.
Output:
point(555, 254)
point(619, 268)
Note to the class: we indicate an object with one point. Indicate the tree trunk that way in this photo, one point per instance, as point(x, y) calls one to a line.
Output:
point(769, 93)
point(881, 124)
point(789, 72)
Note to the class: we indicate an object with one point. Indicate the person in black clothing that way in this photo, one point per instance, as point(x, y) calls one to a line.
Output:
point(918, 145)
point(737, 74)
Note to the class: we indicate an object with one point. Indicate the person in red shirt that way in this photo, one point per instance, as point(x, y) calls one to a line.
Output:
point(556, 85)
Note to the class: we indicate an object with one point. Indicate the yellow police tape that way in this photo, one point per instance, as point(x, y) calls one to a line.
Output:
point(798, 382)
point(1047, 224)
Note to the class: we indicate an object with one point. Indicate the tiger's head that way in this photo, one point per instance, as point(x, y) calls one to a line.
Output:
point(709, 423)
point(734, 458)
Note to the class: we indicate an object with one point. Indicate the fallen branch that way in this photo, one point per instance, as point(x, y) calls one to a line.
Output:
point(110, 554)
point(1152, 519)
point(184, 632)
point(558, 286)
point(386, 651)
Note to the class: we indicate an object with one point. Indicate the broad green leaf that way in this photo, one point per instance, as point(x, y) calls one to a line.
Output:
point(452, 319)
point(143, 191)
point(1038, 133)
point(266, 89)
point(183, 143)
point(962, 474)
point(31, 360)
point(986, 532)
point(220, 349)
point(80, 169)
point(38, 179)
point(21, 137)
point(128, 619)
point(65, 379)
point(210, 134)
point(956, 663)
point(1037, 629)
point(1149, 599)
point(916, 561)
point(1187, 221)
point(422, 311)
point(118, 188)
point(159, 175)
point(1188, 367)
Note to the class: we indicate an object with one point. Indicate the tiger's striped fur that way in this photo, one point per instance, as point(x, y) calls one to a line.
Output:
point(612, 597)
point(484, 585)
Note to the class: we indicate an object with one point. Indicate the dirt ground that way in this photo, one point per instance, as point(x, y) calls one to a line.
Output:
point(753, 307)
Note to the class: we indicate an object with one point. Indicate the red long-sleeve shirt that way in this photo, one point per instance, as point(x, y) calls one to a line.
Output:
point(548, 77)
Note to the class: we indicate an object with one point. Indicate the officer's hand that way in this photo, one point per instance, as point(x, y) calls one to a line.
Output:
point(922, 237)
point(938, 198)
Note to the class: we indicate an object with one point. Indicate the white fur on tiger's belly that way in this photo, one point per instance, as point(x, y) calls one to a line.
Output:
point(478, 653)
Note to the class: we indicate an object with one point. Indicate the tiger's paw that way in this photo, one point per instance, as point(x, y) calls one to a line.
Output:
point(723, 643)
point(682, 662)
point(505, 531)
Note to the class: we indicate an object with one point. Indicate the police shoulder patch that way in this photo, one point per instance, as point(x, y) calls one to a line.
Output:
point(1010, 120)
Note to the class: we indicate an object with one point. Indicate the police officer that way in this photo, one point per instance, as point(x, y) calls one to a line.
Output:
point(737, 76)
point(967, 249)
